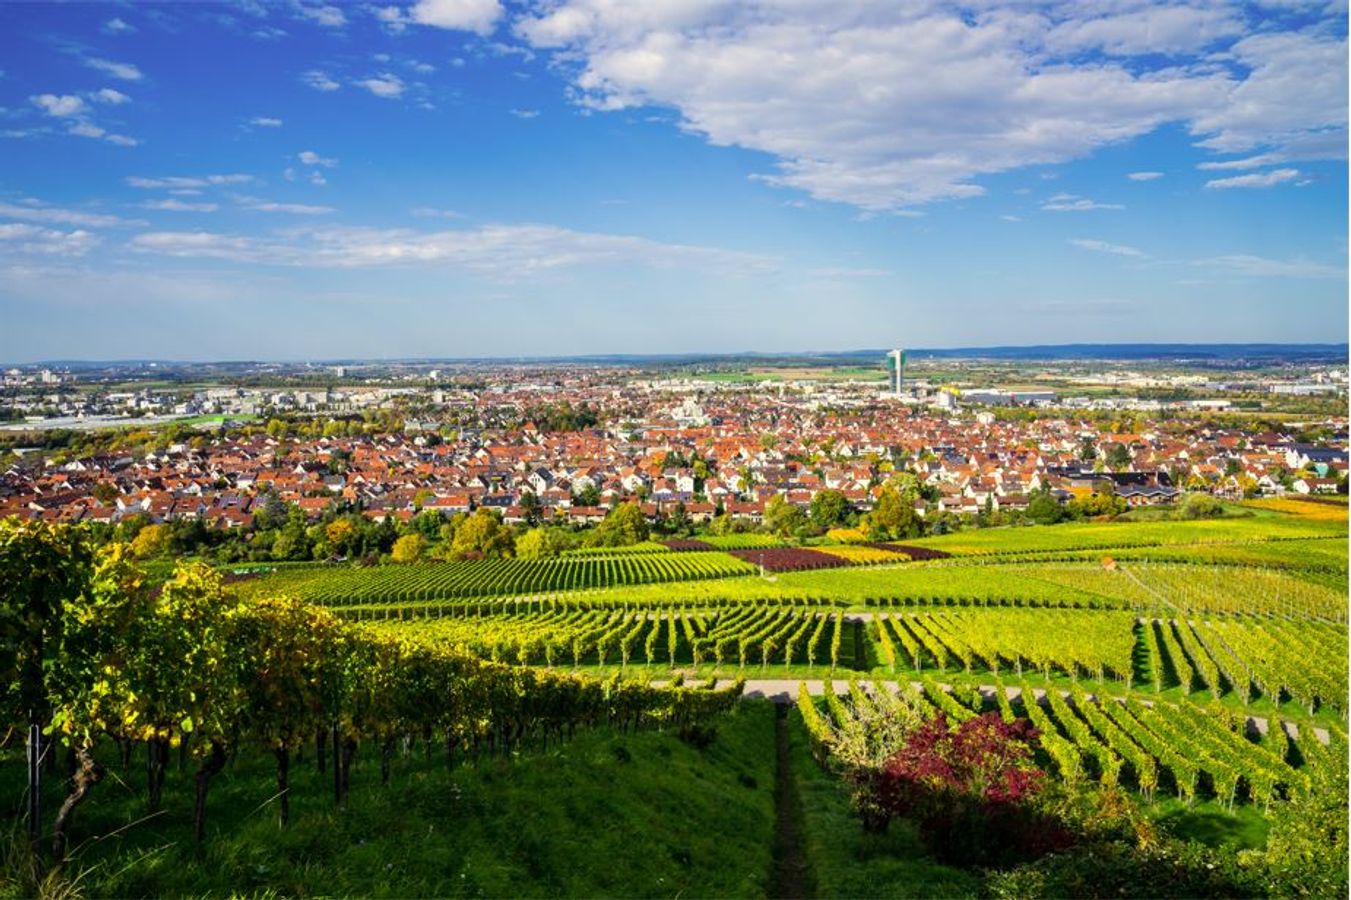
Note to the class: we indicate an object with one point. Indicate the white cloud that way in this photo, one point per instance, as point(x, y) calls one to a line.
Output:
point(478, 16)
point(179, 206)
point(87, 129)
point(858, 114)
point(1008, 218)
point(34, 239)
point(524, 113)
point(1247, 162)
point(111, 97)
point(1105, 247)
point(383, 85)
point(394, 18)
point(499, 251)
point(310, 158)
point(431, 212)
point(117, 26)
point(1293, 99)
point(265, 122)
point(1257, 266)
point(1156, 29)
point(319, 81)
point(179, 182)
point(327, 16)
point(67, 106)
point(60, 105)
point(257, 204)
point(317, 179)
point(1255, 179)
point(123, 71)
point(1074, 203)
point(1144, 176)
point(36, 211)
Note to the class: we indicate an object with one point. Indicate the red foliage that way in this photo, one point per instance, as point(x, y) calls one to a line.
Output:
point(790, 559)
point(971, 789)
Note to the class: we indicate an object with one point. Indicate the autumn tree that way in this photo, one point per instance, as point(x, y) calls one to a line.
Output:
point(152, 540)
point(482, 535)
point(408, 548)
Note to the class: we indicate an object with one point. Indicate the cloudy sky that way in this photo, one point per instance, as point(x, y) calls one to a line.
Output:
point(481, 177)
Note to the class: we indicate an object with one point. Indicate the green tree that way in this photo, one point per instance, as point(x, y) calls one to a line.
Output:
point(623, 526)
point(783, 518)
point(892, 517)
point(1119, 457)
point(93, 681)
point(1043, 508)
point(589, 495)
point(45, 566)
point(829, 508)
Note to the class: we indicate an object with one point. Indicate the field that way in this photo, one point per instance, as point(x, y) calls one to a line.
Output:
point(1199, 667)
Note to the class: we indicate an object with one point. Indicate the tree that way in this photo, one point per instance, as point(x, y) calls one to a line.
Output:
point(105, 492)
point(892, 516)
point(408, 548)
point(291, 650)
point(969, 788)
point(188, 674)
point(531, 506)
point(543, 543)
point(45, 566)
point(829, 508)
point(1043, 508)
point(1119, 457)
point(625, 525)
point(93, 683)
point(153, 540)
point(781, 517)
point(1200, 506)
point(589, 495)
point(339, 534)
point(482, 535)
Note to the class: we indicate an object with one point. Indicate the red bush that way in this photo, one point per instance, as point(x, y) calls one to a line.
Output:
point(970, 789)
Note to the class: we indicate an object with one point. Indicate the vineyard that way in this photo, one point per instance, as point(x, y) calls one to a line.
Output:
point(354, 585)
point(1192, 751)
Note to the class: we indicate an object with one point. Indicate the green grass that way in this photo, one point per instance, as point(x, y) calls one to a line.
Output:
point(605, 815)
point(1243, 828)
point(844, 860)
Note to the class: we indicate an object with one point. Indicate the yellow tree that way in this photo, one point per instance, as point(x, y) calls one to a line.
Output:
point(408, 548)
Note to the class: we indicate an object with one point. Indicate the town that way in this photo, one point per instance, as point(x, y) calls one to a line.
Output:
point(566, 444)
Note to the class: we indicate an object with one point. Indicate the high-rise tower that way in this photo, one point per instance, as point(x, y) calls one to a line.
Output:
point(896, 363)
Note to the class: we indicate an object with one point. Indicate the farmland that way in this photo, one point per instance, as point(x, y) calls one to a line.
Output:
point(1196, 668)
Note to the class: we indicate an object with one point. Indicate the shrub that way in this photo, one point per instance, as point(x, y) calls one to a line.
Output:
point(970, 789)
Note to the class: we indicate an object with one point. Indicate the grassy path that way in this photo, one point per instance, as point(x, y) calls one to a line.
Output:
point(790, 877)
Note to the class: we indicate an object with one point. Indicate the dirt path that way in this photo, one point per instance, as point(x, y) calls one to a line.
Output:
point(789, 878)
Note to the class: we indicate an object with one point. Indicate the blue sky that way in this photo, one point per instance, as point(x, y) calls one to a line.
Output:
point(472, 177)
